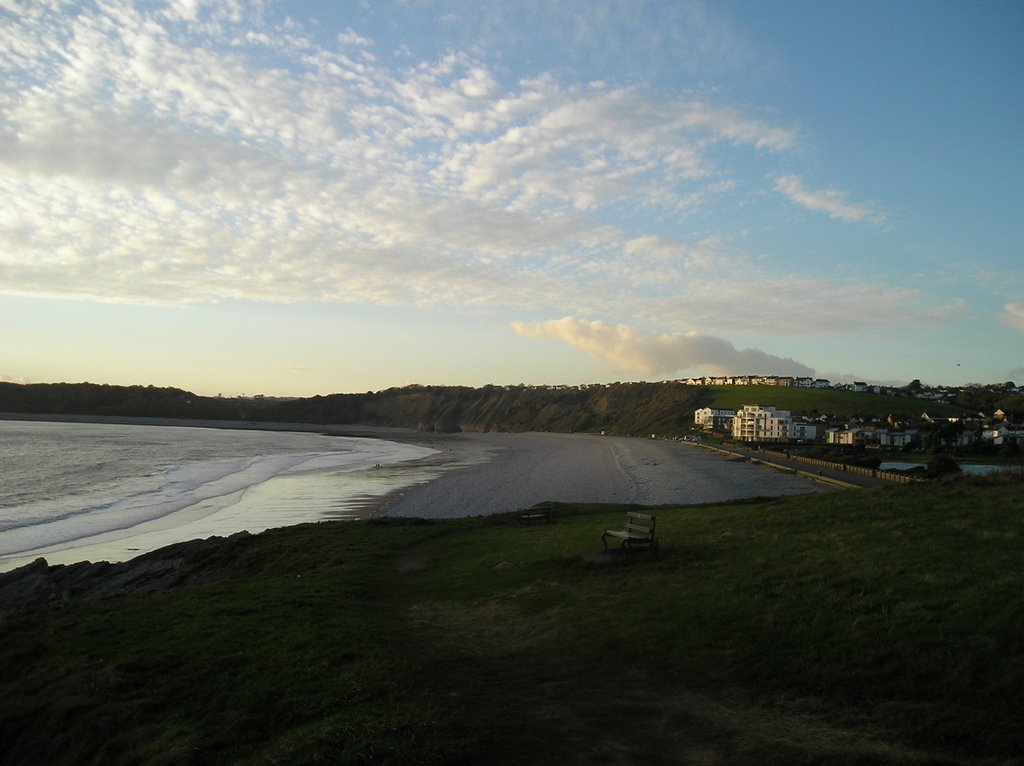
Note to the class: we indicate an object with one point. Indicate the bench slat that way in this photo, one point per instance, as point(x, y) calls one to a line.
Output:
point(639, 529)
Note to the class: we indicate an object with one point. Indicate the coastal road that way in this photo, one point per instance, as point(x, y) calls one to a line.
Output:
point(838, 476)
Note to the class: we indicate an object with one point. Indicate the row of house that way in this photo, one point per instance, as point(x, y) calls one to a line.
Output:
point(888, 438)
point(858, 386)
point(759, 380)
point(765, 423)
point(882, 437)
point(758, 423)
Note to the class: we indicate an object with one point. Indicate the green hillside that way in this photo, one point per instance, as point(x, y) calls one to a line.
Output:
point(811, 401)
point(869, 627)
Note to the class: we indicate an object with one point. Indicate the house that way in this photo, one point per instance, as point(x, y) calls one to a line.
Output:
point(803, 430)
point(845, 436)
point(895, 439)
point(1002, 435)
point(713, 420)
point(761, 423)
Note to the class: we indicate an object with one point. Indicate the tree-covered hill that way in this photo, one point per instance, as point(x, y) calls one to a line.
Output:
point(115, 401)
point(623, 408)
point(617, 408)
point(627, 408)
point(988, 400)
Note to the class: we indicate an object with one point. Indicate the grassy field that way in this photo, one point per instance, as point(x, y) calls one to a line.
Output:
point(867, 627)
point(826, 401)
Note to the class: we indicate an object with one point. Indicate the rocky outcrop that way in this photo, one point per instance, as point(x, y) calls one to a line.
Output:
point(176, 566)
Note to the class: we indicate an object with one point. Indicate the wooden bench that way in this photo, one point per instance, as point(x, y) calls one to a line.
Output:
point(639, 531)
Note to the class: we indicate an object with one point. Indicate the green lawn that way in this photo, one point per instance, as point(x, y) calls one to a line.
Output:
point(867, 627)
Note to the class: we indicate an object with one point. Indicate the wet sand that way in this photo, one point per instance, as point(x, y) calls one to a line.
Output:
point(495, 473)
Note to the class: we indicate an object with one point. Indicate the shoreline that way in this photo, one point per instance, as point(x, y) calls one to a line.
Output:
point(469, 475)
point(350, 492)
point(383, 432)
point(475, 474)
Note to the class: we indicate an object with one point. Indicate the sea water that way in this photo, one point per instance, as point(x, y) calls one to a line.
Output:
point(973, 469)
point(98, 491)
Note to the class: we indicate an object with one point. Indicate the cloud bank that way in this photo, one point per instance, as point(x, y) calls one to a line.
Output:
point(627, 349)
point(194, 152)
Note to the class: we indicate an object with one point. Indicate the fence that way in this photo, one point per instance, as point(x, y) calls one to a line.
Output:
point(857, 470)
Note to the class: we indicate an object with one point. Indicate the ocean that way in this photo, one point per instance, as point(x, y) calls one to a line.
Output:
point(973, 469)
point(97, 491)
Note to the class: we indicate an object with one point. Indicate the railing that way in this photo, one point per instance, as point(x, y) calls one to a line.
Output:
point(856, 470)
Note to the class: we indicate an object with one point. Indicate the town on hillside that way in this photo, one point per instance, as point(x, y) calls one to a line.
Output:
point(760, 423)
point(935, 393)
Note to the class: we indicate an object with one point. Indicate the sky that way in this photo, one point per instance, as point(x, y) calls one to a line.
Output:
point(296, 198)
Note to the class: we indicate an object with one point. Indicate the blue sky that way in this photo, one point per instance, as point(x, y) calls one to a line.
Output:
point(300, 198)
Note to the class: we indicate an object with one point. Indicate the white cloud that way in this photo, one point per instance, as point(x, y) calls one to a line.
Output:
point(143, 159)
point(186, 10)
point(586, 148)
point(350, 37)
point(829, 201)
point(1013, 315)
point(656, 354)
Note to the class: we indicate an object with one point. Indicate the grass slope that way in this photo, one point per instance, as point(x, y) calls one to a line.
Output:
point(827, 401)
point(869, 627)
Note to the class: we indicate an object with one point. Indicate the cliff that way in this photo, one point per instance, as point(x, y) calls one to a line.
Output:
point(622, 408)
point(618, 408)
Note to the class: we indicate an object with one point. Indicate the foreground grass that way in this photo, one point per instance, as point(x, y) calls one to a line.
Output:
point(868, 627)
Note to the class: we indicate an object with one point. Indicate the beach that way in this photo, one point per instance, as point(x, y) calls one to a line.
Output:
point(415, 474)
point(484, 474)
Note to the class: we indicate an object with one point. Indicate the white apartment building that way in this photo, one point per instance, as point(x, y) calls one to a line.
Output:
point(803, 431)
point(713, 420)
point(761, 423)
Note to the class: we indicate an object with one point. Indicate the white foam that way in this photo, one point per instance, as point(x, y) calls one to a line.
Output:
point(178, 503)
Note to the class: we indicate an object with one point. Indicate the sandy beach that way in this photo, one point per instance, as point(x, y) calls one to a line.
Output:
point(463, 474)
point(495, 473)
